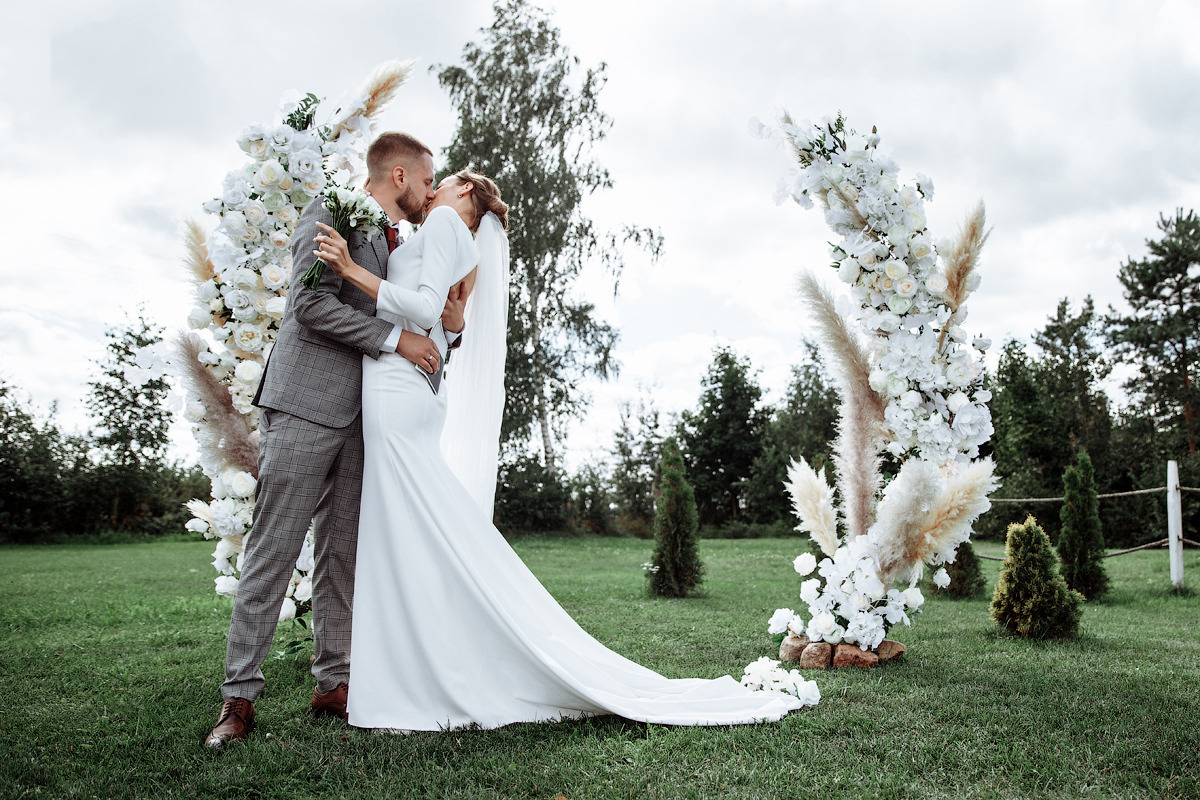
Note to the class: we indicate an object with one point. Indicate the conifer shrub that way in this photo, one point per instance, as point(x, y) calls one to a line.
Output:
point(966, 577)
point(1031, 598)
point(676, 568)
point(1081, 540)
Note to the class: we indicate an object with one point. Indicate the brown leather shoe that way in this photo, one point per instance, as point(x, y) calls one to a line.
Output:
point(331, 703)
point(237, 718)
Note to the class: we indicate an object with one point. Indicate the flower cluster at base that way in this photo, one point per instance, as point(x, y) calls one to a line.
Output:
point(853, 606)
point(765, 675)
point(242, 269)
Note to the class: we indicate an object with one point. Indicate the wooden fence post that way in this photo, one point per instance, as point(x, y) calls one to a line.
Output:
point(1175, 524)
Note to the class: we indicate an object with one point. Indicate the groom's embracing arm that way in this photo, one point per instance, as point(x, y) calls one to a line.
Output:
point(322, 310)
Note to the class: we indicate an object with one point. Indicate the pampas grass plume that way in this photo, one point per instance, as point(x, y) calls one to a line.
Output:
point(812, 499)
point(948, 523)
point(898, 536)
point(380, 88)
point(226, 440)
point(194, 239)
point(963, 255)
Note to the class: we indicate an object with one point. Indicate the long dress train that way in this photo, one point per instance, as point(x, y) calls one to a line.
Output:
point(450, 627)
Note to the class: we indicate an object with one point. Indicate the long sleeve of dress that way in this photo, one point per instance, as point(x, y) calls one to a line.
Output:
point(424, 305)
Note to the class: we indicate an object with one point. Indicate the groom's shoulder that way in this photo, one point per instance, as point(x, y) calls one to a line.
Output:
point(316, 211)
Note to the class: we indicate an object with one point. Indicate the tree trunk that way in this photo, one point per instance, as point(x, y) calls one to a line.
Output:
point(542, 409)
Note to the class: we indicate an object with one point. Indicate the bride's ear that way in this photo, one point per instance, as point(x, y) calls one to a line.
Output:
point(465, 188)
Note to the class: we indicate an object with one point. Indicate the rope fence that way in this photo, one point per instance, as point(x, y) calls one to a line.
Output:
point(1174, 540)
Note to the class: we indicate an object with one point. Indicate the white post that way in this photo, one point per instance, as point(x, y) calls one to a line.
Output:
point(1175, 524)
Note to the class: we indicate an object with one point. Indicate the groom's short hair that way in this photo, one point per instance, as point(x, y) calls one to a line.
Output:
point(393, 146)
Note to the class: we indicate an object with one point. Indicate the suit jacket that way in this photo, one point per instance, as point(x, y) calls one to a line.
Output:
point(315, 368)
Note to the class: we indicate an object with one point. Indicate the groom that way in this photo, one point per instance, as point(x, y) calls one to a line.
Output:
point(310, 443)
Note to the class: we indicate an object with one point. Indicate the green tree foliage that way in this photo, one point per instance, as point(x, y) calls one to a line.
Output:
point(676, 567)
point(528, 497)
point(31, 471)
point(966, 577)
point(1081, 541)
point(637, 452)
point(590, 505)
point(1031, 597)
point(803, 425)
point(723, 437)
point(527, 119)
point(1161, 337)
point(1046, 406)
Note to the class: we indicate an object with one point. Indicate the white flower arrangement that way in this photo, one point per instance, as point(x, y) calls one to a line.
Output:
point(910, 384)
point(243, 268)
point(765, 675)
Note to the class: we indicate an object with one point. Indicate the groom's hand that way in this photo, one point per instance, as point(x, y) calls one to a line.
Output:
point(420, 350)
point(456, 303)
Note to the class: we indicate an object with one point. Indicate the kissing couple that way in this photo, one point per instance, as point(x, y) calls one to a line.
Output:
point(392, 460)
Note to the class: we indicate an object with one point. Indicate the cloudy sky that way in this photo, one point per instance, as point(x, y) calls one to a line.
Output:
point(1077, 123)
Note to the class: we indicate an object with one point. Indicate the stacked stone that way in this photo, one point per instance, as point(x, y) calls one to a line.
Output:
point(822, 655)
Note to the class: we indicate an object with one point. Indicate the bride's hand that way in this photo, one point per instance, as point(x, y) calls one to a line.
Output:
point(334, 250)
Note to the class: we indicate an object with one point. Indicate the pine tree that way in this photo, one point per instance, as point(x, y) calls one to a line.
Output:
point(966, 578)
point(676, 568)
point(1081, 542)
point(1031, 598)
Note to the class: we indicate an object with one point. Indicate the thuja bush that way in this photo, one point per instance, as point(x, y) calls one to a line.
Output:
point(676, 569)
point(1081, 540)
point(966, 578)
point(1031, 598)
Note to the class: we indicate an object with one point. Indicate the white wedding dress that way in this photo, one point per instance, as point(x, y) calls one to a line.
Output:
point(450, 628)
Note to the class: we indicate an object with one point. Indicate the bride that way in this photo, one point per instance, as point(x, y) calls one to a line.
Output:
point(450, 628)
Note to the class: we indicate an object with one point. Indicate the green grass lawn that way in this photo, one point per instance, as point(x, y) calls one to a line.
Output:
point(111, 659)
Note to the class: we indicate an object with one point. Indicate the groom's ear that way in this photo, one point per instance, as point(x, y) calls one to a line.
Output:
point(398, 175)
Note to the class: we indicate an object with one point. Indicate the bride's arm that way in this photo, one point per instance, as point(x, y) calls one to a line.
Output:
point(424, 305)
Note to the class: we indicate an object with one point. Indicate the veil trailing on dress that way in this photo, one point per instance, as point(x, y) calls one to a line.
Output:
point(475, 372)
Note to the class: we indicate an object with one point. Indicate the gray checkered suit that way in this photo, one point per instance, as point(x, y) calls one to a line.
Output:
point(310, 464)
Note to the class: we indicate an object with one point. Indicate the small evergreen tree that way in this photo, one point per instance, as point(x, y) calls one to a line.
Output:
point(966, 578)
point(1031, 598)
point(1081, 542)
point(676, 567)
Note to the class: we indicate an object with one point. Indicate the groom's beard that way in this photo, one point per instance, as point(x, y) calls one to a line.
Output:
point(412, 204)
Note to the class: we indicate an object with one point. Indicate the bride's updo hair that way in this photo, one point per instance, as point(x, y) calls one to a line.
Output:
point(486, 196)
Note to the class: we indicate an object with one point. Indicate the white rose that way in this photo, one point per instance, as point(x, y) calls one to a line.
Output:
point(877, 379)
point(913, 598)
point(958, 374)
point(248, 338)
point(956, 401)
point(243, 278)
point(868, 259)
point(941, 578)
point(972, 282)
point(303, 591)
point(835, 635)
point(906, 286)
point(196, 526)
point(810, 590)
point(287, 215)
point(982, 343)
point(276, 307)
point(779, 621)
point(287, 611)
point(199, 317)
point(274, 277)
point(274, 200)
point(907, 198)
point(207, 291)
point(236, 193)
point(899, 304)
point(222, 333)
point(286, 183)
point(895, 269)
point(280, 137)
point(920, 247)
point(255, 212)
point(248, 371)
point(245, 314)
point(805, 563)
point(194, 411)
point(937, 284)
point(910, 399)
point(269, 174)
point(848, 270)
point(226, 585)
point(280, 239)
point(896, 385)
point(250, 234)
point(312, 187)
point(241, 483)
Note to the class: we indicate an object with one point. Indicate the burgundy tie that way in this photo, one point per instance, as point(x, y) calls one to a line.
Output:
point(393, 238)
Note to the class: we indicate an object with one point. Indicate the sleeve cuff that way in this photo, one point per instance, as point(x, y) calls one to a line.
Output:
point(392, 341)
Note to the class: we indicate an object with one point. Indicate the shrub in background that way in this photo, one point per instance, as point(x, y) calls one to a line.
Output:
point(528, 498)
point(1081, 540)
point(676, 568)
point(1031, 598)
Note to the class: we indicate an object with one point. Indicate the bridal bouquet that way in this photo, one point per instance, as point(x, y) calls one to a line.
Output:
point(351, 211)
point(909, 382)
point(242, 269)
